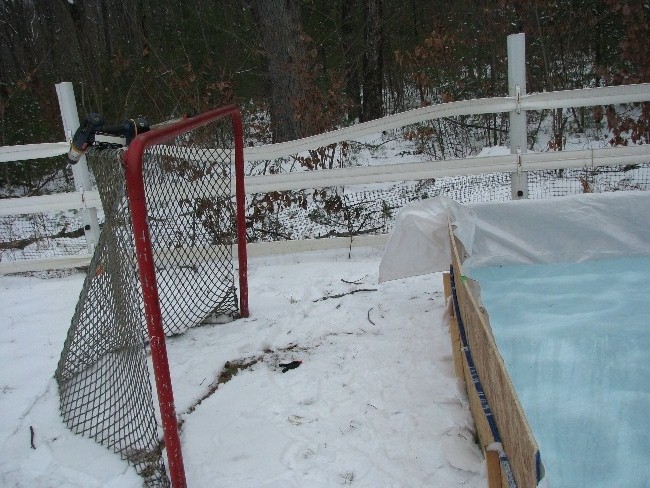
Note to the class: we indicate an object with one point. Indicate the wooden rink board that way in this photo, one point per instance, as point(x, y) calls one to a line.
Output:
point(491, 382)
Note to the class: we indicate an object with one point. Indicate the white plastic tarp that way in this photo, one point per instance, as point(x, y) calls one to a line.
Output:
point(564, 229)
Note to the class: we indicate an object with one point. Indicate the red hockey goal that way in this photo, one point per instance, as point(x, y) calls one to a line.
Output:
point(173, 220)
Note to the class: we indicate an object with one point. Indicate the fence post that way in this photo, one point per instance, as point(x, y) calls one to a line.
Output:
point(518, 129)
point(70, 117)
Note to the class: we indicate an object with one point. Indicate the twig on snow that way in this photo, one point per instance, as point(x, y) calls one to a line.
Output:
point(343, 294)
point(369, 320)
point(358, 282)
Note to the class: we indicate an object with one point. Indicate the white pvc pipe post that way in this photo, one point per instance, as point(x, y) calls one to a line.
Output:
point(518, 129)
point(70, 117)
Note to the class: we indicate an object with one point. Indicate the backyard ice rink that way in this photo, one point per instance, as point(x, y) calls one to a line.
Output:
point(575, 338)
point(375, 401)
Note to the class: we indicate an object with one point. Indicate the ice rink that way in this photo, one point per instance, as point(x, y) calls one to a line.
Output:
point(576, 341)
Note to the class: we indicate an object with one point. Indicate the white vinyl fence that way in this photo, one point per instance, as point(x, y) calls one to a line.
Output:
point(518, 163)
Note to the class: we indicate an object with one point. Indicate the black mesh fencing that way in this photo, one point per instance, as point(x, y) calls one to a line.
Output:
point(354, 210)
point(45, 234)
point(103, 373)
point(41, 235)
point(306, 214)
point(553, 183)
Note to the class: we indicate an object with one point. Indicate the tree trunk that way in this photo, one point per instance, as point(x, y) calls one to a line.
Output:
point(373, 65)
point(106, 30)
point(352, 85)
point(285, 60)
point(87, 47)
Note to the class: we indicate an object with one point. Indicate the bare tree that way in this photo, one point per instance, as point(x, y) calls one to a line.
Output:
point(352, 84)
point(373, 60)
point(286, 62)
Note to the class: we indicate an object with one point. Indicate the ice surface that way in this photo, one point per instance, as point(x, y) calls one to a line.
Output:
point(576, 340)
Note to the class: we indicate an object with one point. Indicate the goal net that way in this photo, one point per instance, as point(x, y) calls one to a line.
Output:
point(171, 214)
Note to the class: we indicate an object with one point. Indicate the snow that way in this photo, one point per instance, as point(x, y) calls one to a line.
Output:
point(374, 403)
point(575, 339)
point(35, 317)
point(494, 151)
point(569, 320)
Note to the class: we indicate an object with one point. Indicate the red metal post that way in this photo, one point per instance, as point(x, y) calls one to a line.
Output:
point(240, 196)
point(144, 255)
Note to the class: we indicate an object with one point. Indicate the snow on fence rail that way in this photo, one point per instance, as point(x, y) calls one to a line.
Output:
point(516, 164)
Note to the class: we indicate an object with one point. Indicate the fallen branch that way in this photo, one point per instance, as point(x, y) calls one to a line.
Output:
point(369, 317)
point(358, 282)
point(344, 294)
point(23, 243)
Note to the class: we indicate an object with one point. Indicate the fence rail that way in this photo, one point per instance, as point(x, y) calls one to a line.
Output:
point(517, 163)
point(589, 158)
point(32, 151)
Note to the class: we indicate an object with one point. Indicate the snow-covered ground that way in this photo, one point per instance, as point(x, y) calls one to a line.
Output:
point(375, 402)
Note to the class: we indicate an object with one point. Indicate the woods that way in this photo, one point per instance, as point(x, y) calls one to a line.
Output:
point(310, 65)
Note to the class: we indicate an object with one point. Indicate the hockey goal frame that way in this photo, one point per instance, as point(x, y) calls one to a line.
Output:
point(133, 166)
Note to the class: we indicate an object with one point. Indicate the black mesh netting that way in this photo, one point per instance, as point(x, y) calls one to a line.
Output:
point(350, 211)
point(103, 373)
point(308, 214)
point(551, 183)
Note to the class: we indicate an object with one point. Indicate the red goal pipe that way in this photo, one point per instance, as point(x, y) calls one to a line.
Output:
point(144, 254)
point(240, 196)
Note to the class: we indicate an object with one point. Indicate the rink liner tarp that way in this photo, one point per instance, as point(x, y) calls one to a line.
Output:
point(564, 229)
point(569, 229)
